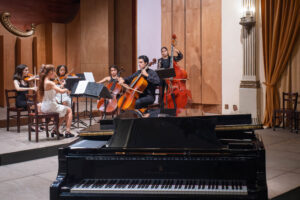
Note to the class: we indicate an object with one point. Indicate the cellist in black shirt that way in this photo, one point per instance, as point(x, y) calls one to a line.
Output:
point(148, 96)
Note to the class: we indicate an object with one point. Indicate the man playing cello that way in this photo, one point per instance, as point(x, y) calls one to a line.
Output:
point(148, 95)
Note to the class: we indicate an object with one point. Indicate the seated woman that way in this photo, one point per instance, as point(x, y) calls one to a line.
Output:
point(64, 98)
point(22, 86)
point(48, 90)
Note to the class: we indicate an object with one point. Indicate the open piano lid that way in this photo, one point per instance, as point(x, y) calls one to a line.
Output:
point(167, 132)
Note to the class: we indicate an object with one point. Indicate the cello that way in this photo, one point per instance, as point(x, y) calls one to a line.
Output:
point(111, 104)
point(137, 86)
point(177, 95)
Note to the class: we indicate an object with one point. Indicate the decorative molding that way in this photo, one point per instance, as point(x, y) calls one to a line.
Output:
point(11, 28)
point(250, 84)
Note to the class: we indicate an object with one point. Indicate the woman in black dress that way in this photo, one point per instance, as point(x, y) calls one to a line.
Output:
point(22, 86)
point(164, 62)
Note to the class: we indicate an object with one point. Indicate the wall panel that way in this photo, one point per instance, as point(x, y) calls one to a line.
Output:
point(1, 71)
point(95, 33)
point(73, 45)
point(123, 42)
point(211, 52)
point(193, 50)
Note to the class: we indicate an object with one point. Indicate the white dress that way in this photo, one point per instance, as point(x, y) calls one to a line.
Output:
point(49, 104)
point(63, 98)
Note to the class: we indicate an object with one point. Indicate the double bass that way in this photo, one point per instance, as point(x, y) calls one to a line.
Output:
point(111, 104)
point(137, 86)
point(177, 95)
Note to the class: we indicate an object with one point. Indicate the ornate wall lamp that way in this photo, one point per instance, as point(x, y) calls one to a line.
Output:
point(11, 28)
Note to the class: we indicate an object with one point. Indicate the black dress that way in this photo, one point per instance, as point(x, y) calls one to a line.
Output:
point(21, 101)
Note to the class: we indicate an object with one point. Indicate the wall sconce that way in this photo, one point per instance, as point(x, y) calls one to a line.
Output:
point(248, 19)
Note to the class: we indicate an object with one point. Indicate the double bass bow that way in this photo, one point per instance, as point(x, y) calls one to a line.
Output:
point(137, 86)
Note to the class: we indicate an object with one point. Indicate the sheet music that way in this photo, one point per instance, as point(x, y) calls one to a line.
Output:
point(81, 87)
point(89, 76)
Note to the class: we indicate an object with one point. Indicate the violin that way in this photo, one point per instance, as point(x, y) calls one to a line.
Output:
point(137, 86)
point(58, 79)
point(177, 95)
point(111, 104)
point(29, 77)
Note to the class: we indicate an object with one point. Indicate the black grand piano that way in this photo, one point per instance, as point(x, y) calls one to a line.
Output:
point(204, 157)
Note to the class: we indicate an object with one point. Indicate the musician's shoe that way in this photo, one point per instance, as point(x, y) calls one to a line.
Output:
point(55, 133)
point(68, 134)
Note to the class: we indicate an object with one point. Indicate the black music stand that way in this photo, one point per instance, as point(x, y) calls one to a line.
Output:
point(82, 77)
point(91, 90)
point(71, 82)
point(165, 73)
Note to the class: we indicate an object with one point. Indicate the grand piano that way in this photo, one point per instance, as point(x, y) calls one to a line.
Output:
point(202, 157)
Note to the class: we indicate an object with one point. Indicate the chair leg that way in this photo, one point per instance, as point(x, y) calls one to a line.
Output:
point(274, 121)
point(283, 120)
point(29, 128)
point(56, 126)
point(47, 130)
point(7, 120)
point(37, 129)
point(18, 121)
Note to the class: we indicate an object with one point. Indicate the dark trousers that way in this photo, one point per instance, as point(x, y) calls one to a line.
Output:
point(144, 101)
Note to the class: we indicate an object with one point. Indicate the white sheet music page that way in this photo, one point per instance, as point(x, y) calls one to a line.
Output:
point(81, 87)
point(89, 76)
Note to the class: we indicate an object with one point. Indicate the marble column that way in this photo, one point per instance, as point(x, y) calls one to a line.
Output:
point(249, 86)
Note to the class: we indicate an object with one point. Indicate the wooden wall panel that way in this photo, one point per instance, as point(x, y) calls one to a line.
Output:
point(193, 50)
point(95, 33)
point(23, 52)
point(18, 51)
point(211, 52)
point(123, 42)
point(26, 52)
point(2, 101)
point(34, 55)
point(178, 26)
point(48, 44)
point(41, 45)
point(58, 44)
point(166, 23)
point(73, 39)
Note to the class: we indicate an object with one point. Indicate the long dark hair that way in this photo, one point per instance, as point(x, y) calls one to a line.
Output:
point(58, 68)
point(19, 72)
point(45, 69)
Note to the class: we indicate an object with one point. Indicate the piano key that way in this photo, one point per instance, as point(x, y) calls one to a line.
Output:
point(163, 186)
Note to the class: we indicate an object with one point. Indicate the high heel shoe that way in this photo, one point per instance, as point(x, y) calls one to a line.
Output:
point(68, 134)
point(55, 133)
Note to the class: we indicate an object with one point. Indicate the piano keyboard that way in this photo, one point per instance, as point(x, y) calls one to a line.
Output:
point(161, 186)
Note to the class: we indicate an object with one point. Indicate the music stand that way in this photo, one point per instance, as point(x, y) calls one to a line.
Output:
point(71, 83)
point(164, 73)
point(90, 90)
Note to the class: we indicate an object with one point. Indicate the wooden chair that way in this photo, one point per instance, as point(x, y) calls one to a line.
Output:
point(11, 108)
point(36, 119)
point(287, 112)
point(296, 121)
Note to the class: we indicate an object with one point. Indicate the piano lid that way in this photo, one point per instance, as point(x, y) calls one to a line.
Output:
point(167, 132)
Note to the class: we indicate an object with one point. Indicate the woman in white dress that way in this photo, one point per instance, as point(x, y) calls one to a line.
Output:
point(48, 90)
